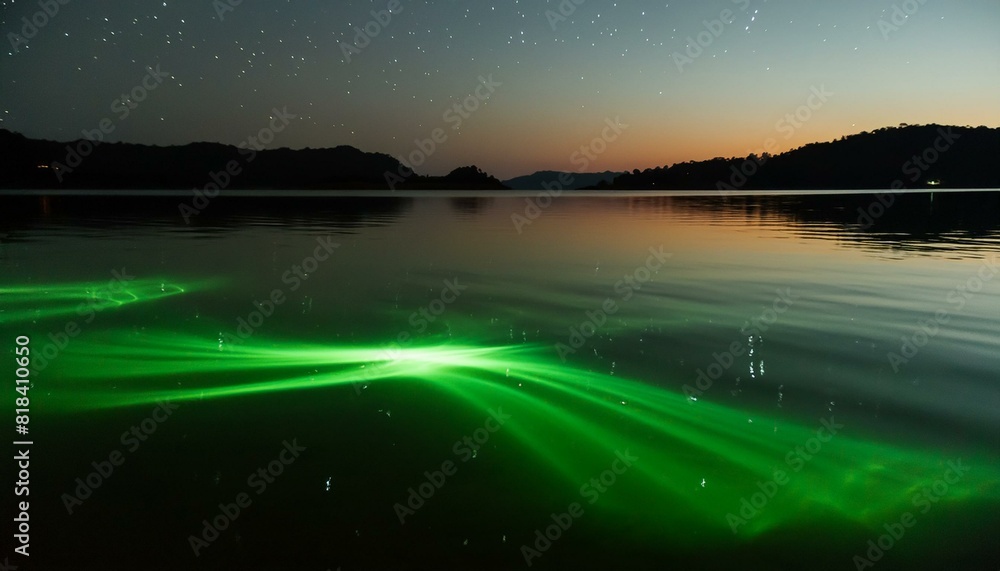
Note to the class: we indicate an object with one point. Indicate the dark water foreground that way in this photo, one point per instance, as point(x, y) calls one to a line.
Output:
point(608, 382)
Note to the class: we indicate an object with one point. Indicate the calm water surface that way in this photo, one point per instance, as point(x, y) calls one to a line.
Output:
point(639, 382)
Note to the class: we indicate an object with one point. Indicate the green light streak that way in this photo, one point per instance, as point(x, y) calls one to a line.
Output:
point(680, 443)
point(82, 299)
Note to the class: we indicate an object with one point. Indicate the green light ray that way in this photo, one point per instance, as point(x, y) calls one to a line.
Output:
point(679, 442)
point(82, 299)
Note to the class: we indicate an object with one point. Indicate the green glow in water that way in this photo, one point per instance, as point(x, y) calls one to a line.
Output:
point(698, 460)
point(81, 299)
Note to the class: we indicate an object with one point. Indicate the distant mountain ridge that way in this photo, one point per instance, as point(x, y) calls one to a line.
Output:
point(545, 179)
point(908, 156)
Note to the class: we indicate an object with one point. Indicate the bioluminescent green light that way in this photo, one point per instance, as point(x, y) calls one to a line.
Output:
point(81, 299)
point(698, 460)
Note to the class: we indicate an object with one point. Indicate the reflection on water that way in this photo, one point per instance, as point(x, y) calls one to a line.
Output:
point(837, 366)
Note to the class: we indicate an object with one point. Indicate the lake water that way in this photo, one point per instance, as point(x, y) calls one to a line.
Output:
point(447, 382)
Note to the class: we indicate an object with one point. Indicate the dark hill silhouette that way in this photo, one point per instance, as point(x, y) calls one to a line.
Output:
point(464, 178)
point(82, 164)
point(964, 158)
point(907, 156)
point(542, 179)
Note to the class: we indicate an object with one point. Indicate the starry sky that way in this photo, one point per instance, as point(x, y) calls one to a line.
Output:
point(534, 81)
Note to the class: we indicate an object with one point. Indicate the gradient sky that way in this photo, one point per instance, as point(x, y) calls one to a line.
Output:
point(560, 79)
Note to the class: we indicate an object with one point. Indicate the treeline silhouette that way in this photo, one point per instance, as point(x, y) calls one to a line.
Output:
point(85, 164)
point(917, 156)
point(908, 156)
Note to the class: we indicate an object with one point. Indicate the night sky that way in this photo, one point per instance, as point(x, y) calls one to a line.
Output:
point(556, 80)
